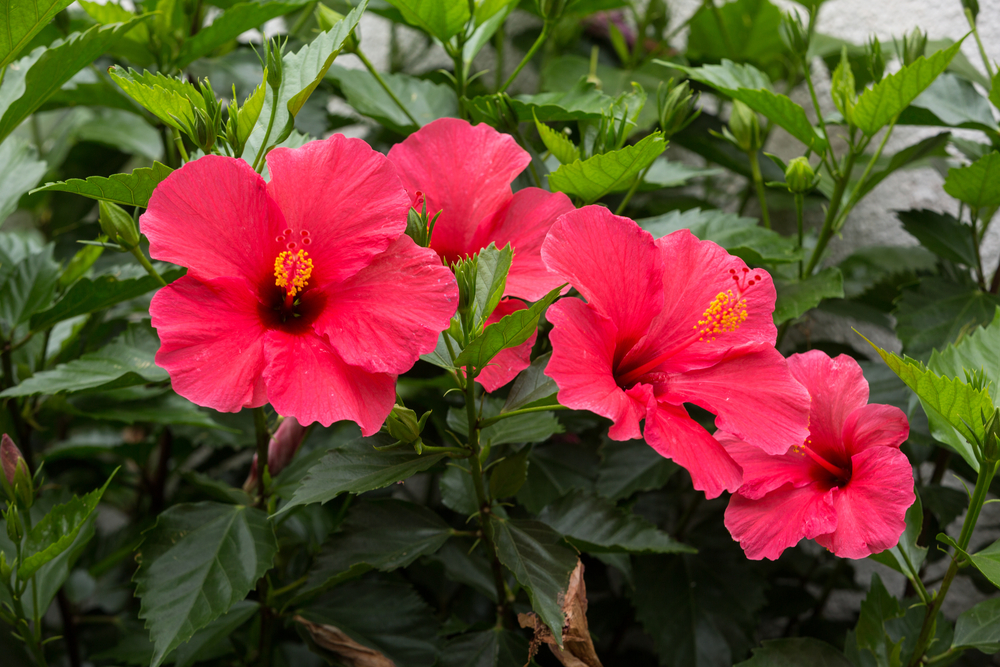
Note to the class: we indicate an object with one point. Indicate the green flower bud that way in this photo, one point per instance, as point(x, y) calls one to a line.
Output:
point(24, 485)
point(912, 47)
point(5, 570)
point(118, 225)
point(795, 34)
point(273, 51)
point(204, 131)
point(991, 439)
point(799, 176)
point(551, 10)
point(677, 106)
point(465, 274)
point(972, 6)
point(403, 425)
point(745, 127)
point(15, 530)
point(874, 60)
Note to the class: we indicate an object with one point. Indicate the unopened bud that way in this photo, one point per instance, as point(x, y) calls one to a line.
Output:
point(203, 132)
point(745, 127)
point(281, 450)
point(465, 274)
point(991, 439)
point(12, 518)
point(403, 425)
point(677, 106)
point(118, 225)
point(551, 10)
point(799, 176)
point(874, 60)
point(913, 46)
point(795, 34)
point(9, 456)
point(5, 570)
point(273, 51)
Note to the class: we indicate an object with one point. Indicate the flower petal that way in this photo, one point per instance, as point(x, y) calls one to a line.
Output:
point(875, 425)
point(583, 349)
point(213, 215)
point(347, 196)
point(211, 341)
point(871, 508)
point(763, 473)
point(767, 526)
point(523, 223)
point(464, 171)
point(308, 380)
point(392, 311)
point(613, 263)
point(753, 394)
point(505, 366)
point(672, 433)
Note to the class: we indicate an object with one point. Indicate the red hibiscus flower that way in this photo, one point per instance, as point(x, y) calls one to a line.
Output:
point(465, 172)
point(668, 322)
point(847, 486)
point(302, 292)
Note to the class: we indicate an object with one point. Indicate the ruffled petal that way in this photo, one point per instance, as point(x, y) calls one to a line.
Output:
point(871, 508)
point(464, 171)
point(613, 263)
point(767, 526)
point(753, 394)
point(211, 341)
point(392, 311)
point(523, 223)
point(838, 388)
point(875, 425)
point(672, 433)
point(308, 380)
point(348, 198)
point(583, 349)
point(505, 366)
point(764, 472)
point(213, 215)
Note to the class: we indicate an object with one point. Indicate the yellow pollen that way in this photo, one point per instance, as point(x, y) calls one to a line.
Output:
point(292, 271)
point(724, 314)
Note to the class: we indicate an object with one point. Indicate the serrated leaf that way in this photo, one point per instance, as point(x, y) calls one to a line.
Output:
point(195, 564)
point(530, 385)
point(529, 427)
point(582, 101)
point(935, 312)
point(878, 607)
point(492, 266)
point(132, 189)
point(24, 20)
point(877, 106)
point(489, 648)
point(629, 467)
point(531, 551)
point(978, 184)
point(510, 331)
point(508, 476)
point(727, 76)
point(127, 361)
point(794, 299)
point(440, 18)
point(555, 469)
point(794, 652)
point(171, 100)
point(595, 525)
point(56, 531)
point(20, 170)
point(907, 556)
point(942, 234)
point(356, 467)
point(744, 30)
point(557, 143)
point(979, 627)
point(605, 173)
point(237, 19)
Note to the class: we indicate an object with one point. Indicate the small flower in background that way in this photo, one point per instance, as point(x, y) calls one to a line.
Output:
point(281, 450)
point(847, 485)
point(9, 456)
point(302, 292)
point(465, 171)
point(667, 322)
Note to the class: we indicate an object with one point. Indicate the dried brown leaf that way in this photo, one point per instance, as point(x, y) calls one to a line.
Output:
point(350, 652)
point(578, 648)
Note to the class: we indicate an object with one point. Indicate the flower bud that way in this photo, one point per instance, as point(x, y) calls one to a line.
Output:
point(676, 106)
point(118, 225)
point(874, 60)
point(12, 518)
point(9, 456)
point(795, 34)
point(551, 10)
point(799, 176)
point(972, 6)
point(465, 274)
point(991, 439)
point(913, 46)
point(281, 450)
point(403, 425)
point(5, 569)
point(745, 127)
point(271, 62)
point(203, 132)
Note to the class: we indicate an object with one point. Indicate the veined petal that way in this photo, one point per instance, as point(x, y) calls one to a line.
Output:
point(211, 341)
point(763, 473)
point(875, 425)
point(505, 366)
point(767, 526)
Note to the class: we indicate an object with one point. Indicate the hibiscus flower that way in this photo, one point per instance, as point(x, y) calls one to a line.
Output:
point(302, 292)
point(465, 171)
point(847, 486)
point(666, 322)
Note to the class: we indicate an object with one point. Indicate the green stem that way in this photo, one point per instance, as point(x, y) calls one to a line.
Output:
point(915, 579)
point(263, 437)
point(528, 56)
point(631, 190)
point(385, 87)
point(831, 213)
point(758, 182)
point(489, 421)
point(303, 17)
point(141, 256)
point(179, 142)
point(258, 162)
point(830, 166)
point(800, 222)
point(979, 43)
point(856, 193)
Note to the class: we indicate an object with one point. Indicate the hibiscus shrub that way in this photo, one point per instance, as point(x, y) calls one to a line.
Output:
point(512, 350)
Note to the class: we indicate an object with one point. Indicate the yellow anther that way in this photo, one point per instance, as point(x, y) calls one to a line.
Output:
point(725, 314)
point(292, 271)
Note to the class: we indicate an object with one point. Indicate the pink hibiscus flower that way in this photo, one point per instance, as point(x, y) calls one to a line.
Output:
point(302, 292)
point(667, 322)
point(465, 171)
point(847, 486)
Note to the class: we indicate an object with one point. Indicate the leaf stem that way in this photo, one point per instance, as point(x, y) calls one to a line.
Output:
point(546, 28)
point(258, 162)
point(831, 164)
point(979, 43)
point(758, 182)
point(800, 223)
point(489, 421)
point(141, 256)
point(385, 86)
point(631, 190)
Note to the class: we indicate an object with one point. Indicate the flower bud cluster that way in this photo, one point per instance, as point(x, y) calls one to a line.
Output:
point(677, 106)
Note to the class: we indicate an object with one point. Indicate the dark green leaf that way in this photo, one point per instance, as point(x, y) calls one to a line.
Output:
point(605, 173)
point(941, 234)
point(531, 550)
point(870, 266)
point(510, 331)
point(440, 18)
point(508, 476)
point(126, 189)
point(236, 20)
point(750, 30)
point(950, 102)
point(979, 627)
point(796, 652)
point(935, 311)
point(23, 20)
point(978, 184)
point(167, 408)
point(582, 100)
point(195, 564)
point(490, 648)
point(553, 471)
point(20, 170)
point(987, 561)
point(218, 631)
point(794, 299)
point(664, 173)
point(878, 607)
point(26, 286)
point(457, 491)
point(530, 385)
point(530, 427)
point(944, 502)
point(629, 467)
point(907, 556)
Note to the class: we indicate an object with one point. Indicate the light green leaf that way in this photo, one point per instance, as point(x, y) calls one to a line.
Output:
point(440, 18)
point(978, 184)
point(595, 525)
point(171, 100)
point(195, 564)
point(23, 20)
point(794, 299)
point(941, 234)
point(950, 101)
point(492, 266)
point(726, 77)
point(135, 44)
point(510, 331)
point(877, 106)
point(236, 20)
point(531, 550)
point(20, 170)
point(907, 556)
point(605, 173)
point(979, 627)
point(629, 467)
point(558, 144)
point(530, 385)
point(132, 189)
point(250, 111)
point(796, 652)
point(583, 100)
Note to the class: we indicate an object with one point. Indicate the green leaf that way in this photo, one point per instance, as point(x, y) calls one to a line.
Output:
point(907, 556)
point(554, 470)
point(26, 286)
point(595, 525)
point(57, 530)
point(20, 170)
point(458, 492)
point(510, 331)
point(386, 616)
point(583, 100)
point(794, 299)
point(24, 20)
point(978, 184)
point(508, 476)
point(425, 100)
point(236, 20)
point(871, 266)
point(529, 427)
point(132, 189)
point(877, 106)
point(878, 607)
point(530, 385)
point(492, 266)
point(203, 643)
point(440, 18)
point(950, 101)
point(629, 467)
point(489, 648)
point(741, 236)
point(167, 408)
point(195, 564)
point(796, 652)
point(664, 173)
point(911, 156)
point(125, 362)
point(979, 627)
point(605, 173)
point(726, 77)
point(558, 144)
point(356, 467)
point(935, 312)
point(171, 100)
point(941, 234)
point(750, 30)
point(124, 282)
point(23, 92)
point(135, 45)
point(379, 534)
point(531, 551)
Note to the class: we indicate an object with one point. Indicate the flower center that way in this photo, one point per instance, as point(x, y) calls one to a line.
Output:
point(292, 271)
point(841, 474)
